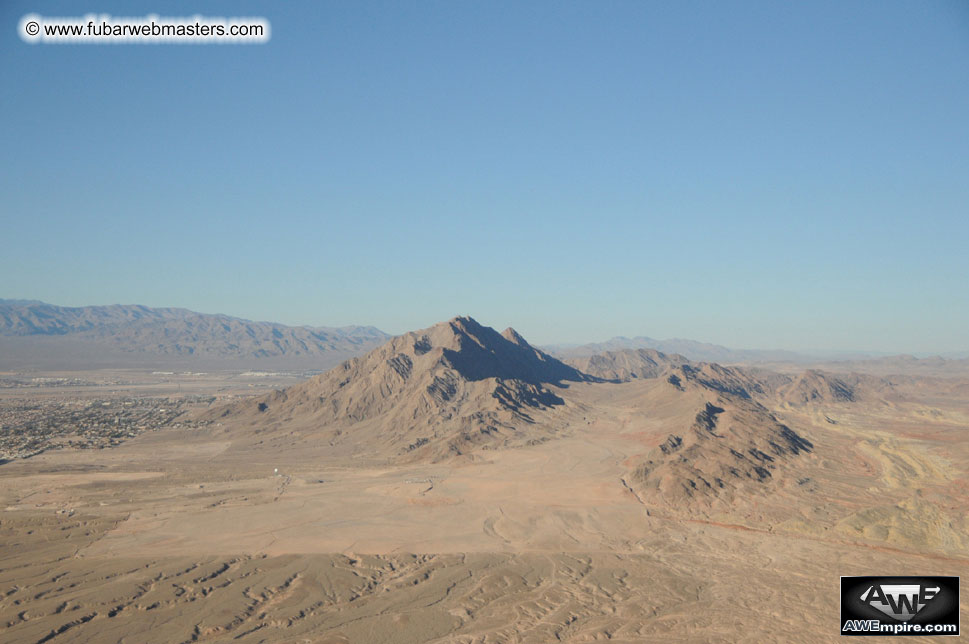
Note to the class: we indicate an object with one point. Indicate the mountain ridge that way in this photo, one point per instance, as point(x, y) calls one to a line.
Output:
point(691, 349)
point(428, 394)
point(128, 335)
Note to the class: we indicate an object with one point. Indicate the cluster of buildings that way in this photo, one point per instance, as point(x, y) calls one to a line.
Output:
point(31, 425)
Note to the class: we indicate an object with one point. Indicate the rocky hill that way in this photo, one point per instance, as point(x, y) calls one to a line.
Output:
point(733, 447)
point(424, 395)
point(807, 387)
point(622, 366)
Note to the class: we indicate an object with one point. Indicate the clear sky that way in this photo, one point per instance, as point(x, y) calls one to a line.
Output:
point(756, 174)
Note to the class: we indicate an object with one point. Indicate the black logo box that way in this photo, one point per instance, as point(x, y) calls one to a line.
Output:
point(942, 608)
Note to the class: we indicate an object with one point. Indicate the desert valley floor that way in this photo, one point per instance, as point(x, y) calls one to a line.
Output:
point(457, 485)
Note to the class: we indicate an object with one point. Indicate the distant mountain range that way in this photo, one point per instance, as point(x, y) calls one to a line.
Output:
point(38, 335)
point(703, 351)
point(951, 364)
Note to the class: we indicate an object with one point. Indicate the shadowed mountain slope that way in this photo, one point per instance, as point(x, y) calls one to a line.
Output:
point(816, 386)
point(733, 448)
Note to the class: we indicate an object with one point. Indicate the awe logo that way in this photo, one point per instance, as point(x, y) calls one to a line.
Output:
point(901, 601)
point(910, 606)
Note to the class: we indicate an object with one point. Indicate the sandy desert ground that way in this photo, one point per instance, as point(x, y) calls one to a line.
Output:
point(575, 525)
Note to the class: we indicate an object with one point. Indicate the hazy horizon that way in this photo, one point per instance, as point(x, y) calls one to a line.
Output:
point(754, 175)
point(498, 325)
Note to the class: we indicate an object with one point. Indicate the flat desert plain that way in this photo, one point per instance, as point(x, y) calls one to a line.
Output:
point(522, 500)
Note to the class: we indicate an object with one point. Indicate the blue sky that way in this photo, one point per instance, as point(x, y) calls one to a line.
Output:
point(757, 174)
